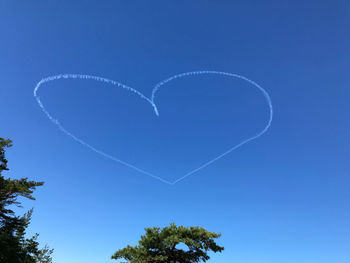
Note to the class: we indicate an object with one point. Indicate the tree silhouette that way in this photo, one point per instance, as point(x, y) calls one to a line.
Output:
point(14, 246)
point(163, 246)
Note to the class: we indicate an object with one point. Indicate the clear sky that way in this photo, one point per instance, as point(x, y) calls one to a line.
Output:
point(281, 198)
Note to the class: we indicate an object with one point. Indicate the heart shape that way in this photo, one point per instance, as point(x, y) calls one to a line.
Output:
point(151, 101)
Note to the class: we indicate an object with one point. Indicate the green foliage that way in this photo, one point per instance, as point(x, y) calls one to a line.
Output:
point(3, 162)
point(14, 246)
point(161, 246)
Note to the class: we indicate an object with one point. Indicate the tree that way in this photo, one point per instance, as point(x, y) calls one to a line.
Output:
point(163, 246)
point(14, 246)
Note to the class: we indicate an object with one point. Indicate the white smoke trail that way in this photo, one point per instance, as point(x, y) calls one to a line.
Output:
point(56, 122)
point(152, 102)
point(232, 75)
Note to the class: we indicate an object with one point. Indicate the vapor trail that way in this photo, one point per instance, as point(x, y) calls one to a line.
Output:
point(153, 104)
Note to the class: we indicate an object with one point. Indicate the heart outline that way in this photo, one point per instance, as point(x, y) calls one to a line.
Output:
point(153, 104)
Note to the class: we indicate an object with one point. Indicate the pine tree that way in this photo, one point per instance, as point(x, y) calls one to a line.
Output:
point(14, 246)
point(161, 246)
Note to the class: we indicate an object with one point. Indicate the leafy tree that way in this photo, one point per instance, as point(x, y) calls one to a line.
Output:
point(163, 246)
point(14, 246)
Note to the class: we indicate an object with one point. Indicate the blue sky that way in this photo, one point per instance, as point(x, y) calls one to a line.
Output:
point(281, 198)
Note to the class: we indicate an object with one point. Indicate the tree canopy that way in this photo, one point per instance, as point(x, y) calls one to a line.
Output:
point(14, 246)
point(165, 246)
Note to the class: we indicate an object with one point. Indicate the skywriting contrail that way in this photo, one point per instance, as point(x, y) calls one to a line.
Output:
point(153, 104)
